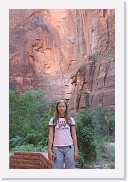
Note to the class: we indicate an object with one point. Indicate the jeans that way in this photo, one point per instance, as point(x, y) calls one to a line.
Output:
point(64, 157)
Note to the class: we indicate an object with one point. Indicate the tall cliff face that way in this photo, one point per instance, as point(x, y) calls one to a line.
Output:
point(94, 81)
point(65, 52)
point(42, 51)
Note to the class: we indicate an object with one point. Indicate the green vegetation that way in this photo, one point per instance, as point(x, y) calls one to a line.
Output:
point(94, 56)
point(30, 113)
point(28, 119)
point(85, 133)
point(85, 92)
point(95, 130)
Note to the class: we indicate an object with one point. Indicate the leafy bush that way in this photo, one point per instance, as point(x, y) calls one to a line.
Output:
point(16, 141)
point(81, 160)
point(33, 137)
point(95, 128)
point(104, 131)
point(85, 135)
point(28, 117)
point(111, 124)
point(104, 123)
point(99, 121)
point(18, 105)
point(28, 127)
point(27, 148)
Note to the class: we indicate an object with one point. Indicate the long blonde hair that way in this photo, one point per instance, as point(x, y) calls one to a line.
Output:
point(66, 116)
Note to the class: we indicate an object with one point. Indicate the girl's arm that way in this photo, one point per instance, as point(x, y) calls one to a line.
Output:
point(74, 137)
point(50, 140)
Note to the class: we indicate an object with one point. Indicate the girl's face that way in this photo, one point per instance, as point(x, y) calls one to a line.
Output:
point(61, 108)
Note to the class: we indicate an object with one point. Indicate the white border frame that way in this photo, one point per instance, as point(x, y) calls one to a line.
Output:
point(118, 172)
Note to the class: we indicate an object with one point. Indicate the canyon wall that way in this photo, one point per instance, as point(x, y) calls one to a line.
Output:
point(68, 53)
point(94, 81)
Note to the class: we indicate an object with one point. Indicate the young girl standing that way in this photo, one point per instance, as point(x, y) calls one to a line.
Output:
point(62, 140)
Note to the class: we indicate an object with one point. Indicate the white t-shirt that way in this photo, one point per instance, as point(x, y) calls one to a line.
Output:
point(62, 135)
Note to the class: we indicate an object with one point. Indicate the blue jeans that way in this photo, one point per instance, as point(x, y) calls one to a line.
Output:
point(64, 157)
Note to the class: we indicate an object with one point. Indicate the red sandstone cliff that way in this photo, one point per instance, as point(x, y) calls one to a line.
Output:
point(66, 52)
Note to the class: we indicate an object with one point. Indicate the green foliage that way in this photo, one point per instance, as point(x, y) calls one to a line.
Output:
point(27, 148)
point(104, 123)
point(17, 112)
point(99, 121)
point(28, 118)
point(111, 124)
point(29, 114)
point(94, 129)
point(85, 92)
point(105, 153)
point(94, 56)
point(81, 159)
point(85, 135)
point(104, 131)
point(110, 152)
point(34, 137)
point(16, 141)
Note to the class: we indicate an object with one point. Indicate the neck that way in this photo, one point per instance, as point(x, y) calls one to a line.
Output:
point(61, 115)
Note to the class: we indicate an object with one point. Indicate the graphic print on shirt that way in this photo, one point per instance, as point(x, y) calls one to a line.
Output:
point(62, 125)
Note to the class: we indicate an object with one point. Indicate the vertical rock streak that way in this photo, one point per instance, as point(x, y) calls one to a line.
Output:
point(69, 53)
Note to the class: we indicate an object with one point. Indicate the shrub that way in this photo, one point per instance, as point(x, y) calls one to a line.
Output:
point(104, 128)
point(111, 124)
point(104, 123)
point(94, 129)
point(27, 148)
point(16, 141)
point(100, 121)
point(28, 117)
point(18, 106)
point(79, 163)
point(85, 135)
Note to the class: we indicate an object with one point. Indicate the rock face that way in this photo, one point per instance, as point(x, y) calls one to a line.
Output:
point(68, 53)
point(94, 81)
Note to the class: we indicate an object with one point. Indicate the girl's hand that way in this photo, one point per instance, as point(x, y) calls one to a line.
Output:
point(50, 155)
point(76, 155)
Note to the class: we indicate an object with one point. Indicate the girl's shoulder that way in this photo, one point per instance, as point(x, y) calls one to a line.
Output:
point(52, 118)
point(71, 118)
point(51, 122)
point(72, 121)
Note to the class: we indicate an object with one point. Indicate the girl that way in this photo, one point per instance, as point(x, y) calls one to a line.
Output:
point(62, 140)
